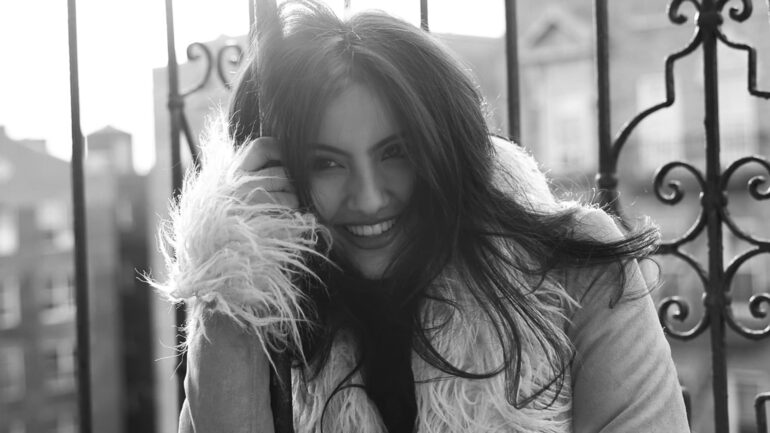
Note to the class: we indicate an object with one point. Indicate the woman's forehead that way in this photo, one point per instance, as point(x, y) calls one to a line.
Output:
point(356, 120)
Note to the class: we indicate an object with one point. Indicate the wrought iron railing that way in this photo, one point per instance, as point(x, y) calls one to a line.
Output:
point(79, 220)
point(714, 213)
point(713, 216)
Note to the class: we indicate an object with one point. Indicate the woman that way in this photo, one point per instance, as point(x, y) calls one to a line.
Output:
point(419, 273)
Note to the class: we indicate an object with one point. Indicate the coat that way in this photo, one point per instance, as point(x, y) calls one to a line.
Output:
point(232, 262)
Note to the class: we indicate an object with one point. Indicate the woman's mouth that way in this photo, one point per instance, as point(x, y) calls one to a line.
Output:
point(371, 230)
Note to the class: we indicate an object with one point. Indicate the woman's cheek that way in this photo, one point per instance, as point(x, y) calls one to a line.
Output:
point(327, 193)
point(401, 178)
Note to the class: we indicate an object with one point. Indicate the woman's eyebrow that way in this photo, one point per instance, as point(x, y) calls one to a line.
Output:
point(387, 140)
point(328, 148)
point(333, 149)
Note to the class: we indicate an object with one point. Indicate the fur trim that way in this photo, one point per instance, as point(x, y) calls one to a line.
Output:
point(446, 404)
point(229, 256)
point(518, 173)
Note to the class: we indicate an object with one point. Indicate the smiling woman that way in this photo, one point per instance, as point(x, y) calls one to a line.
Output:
point(361, 180)
point(418, 272)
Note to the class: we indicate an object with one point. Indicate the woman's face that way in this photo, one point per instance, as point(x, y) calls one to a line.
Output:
point(361, 180)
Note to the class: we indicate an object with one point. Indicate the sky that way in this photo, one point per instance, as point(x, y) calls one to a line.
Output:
point(121, 42)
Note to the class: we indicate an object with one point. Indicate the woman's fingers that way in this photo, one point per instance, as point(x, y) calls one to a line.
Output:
point(270, 183)
point(260, 153)
point(271, 179)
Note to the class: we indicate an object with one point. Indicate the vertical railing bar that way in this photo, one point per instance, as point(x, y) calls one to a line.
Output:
point(759, 409)
point(512, 62)
point(424, 15)
point(192, 145)
point(606, 178)
point(252, 17)
point(280, 377)
point(79, 215)
point(175, 106)
point(714, 201)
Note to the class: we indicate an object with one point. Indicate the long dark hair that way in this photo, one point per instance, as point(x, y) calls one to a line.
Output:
point(464, 220)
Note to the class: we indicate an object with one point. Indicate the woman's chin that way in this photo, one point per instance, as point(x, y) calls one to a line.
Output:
point(371, 269)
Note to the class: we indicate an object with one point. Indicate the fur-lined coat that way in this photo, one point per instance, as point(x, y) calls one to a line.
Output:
point(232, 262)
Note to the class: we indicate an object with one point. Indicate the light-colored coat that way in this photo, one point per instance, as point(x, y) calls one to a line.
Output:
point(233, 263)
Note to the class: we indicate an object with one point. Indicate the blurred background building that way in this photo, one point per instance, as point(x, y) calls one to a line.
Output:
point(37, 311)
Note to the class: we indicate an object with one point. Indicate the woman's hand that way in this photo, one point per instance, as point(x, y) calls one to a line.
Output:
point(262, 159)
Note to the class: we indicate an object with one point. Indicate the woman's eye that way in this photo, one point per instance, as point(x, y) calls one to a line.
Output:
point(325, 164)
point(394, 150)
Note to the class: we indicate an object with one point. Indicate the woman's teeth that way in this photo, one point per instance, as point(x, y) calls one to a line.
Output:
point(372, 230)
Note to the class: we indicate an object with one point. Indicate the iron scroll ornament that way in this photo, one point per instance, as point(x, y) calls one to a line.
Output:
point(228, 58)
point(709, 17)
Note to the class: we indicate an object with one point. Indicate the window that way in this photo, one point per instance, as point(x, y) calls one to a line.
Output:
point(15, 426)
point(57, 303)
point(6, 170)
point(59, 364)
point(124, 214)
point(53, 220)
point(66, 423)
point(743, 387)
point(660, 134)
point(738, 124)
point(11, 373)
point(9, 232)
point(10, 303)
point(567, 118)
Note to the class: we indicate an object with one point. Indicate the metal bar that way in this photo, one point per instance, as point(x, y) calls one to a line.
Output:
point(606, 178)
point(713, 202)
point(280, 377)
point(280, 394)
point(79, 214)
point(759, 408)
point(192, 144)
point(252, 16)
point(424, 15)
point(512, 60)
point(175, 107)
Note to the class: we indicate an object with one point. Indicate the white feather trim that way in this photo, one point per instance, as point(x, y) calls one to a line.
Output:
point(227, 255)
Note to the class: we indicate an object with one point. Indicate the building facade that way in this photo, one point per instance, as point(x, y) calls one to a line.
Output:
point(38, 387)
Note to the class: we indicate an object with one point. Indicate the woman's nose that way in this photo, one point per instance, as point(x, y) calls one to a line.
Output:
point(368, 192)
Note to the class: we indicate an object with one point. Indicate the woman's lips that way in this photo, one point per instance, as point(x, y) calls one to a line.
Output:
point(370, 236)
point(371, 230)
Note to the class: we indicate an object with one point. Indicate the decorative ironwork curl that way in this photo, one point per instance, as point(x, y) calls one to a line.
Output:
point(193, 56)
point(683, 309)
point(755, 305)
point(677, 194)
point(234, 60)
point(625, 132)
point(751, 67)
point(738, 14)
point(755, 302)
point(673, 11)
point(755, 182)
point(674, 197)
